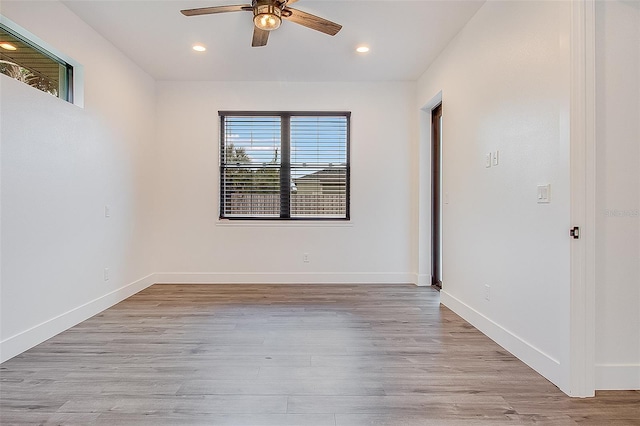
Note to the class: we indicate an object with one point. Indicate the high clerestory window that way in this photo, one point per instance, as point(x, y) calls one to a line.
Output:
point(284, 165)
point(23, 60)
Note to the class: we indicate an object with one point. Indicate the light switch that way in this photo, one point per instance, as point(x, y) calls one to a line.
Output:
point(496, 158)
point(544, 194)
point(107, 211)
point(487, 162)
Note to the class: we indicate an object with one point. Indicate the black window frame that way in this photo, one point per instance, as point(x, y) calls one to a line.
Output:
point(65, 89)
point(285, 169)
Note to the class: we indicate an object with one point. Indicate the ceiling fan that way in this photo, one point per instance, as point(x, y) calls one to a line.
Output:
point(268, 15)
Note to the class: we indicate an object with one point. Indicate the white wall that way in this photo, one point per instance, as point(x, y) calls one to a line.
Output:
point(374, 247)
point(61, 164)
point(505, 87)
point(504, 83)
point(618, 194)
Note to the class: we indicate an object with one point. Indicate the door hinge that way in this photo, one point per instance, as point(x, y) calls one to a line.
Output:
point(575, 232)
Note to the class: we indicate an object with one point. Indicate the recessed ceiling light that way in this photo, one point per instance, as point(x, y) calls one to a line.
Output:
point(362, 49)
point(8, 46)
point(199, 48)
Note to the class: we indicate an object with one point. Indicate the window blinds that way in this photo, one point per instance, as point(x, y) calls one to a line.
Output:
point(284, 165)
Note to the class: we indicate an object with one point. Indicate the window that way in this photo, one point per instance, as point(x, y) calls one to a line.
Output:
point(24, 61)
point(284, 165)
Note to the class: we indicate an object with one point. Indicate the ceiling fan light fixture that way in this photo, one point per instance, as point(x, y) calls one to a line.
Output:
point(362, 49)
point(267, 17)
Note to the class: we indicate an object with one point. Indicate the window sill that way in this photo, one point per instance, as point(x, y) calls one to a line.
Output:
point(285, 223)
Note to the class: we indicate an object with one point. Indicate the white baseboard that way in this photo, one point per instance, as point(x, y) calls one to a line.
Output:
point(282, 278)
point(617, 376)
point(27, 339)
point(544, 364)
point(422, 280)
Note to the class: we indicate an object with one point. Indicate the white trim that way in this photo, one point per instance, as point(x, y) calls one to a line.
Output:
point(283, 278)
point(617, 376)
point(424, 190)
point(590, 199)
point(430, 106)
point(541, 362)
point(579, 375)
point(27, 339)
point(339, 223)
point(422, 280)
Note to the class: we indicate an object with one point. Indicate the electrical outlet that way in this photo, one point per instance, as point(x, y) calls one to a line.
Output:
point(106, 274)
point(305, 258)
point(107, 211)
point(487, 292)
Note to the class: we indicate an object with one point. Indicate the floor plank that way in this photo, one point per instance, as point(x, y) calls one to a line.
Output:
point(323, 355)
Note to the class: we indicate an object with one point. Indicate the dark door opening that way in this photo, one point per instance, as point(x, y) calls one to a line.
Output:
point(436, 196)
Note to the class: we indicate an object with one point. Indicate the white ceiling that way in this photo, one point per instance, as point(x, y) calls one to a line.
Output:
point(404, 36)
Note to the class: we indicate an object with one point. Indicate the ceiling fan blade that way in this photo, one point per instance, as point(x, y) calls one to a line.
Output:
point(260, 37)
point(291, 1)
point(311, 21)
point(216, 9)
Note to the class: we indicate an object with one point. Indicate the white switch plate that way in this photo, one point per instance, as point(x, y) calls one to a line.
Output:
point(107, 211)
point(496, 158)
point(544, 194)
point(106, 274)
point(487, 292)
point(487, 162)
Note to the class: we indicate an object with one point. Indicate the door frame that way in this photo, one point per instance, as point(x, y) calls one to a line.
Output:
point(579, 375)
point(436, 196)
point(424, 256)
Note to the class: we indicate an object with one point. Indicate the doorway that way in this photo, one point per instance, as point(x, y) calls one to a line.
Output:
point(436, 196)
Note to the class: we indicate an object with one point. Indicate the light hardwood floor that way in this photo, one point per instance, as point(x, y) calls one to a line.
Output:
point(314, 355)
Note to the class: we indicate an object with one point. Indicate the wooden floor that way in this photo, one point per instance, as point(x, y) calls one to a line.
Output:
point(286, 355)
